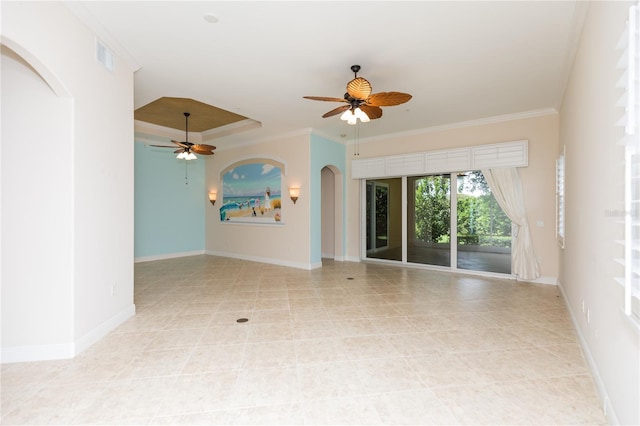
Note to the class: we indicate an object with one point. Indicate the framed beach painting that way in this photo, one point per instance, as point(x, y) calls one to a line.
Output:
point(251, 192)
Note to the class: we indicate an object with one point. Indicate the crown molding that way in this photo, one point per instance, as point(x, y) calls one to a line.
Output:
point(463, 124)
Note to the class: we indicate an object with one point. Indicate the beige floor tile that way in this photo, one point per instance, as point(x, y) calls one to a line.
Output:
point(386, 375)
point(173, 339)
point(322, 350)
point(414, 344)
point(330, 380)
point(159, 363)
point(269, 354)
point(204, 359)
point(269, 332)
point(266, 386)
point(305, 330)
point(343, 411)
point(391, 345)
point(415, 407)
point(225, 334)
point(124, 342)
point(355, 327)
point(271, 316)
point(445, 370)
point(287, 414)
point(374, 346)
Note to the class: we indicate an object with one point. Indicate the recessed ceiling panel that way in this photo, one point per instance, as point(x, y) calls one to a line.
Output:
point(169, 112)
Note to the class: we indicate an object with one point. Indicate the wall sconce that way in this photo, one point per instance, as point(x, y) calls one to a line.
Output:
point(294, 193)
point(213, 195)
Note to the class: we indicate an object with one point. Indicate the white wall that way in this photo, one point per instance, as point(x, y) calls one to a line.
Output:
point(594, 189)
point(286, 244)
point(96, 179)
point(538, 179)
point(37, 199)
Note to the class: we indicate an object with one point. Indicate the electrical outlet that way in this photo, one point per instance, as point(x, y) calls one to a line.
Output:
point(588, 316)
point(113, 289)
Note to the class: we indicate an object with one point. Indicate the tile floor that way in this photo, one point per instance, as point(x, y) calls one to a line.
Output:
point(350, 343)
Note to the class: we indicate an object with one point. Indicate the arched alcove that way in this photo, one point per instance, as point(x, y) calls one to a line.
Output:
point(331, 213)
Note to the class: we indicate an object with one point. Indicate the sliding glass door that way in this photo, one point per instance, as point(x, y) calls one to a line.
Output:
point(457, 227)
point(429, 220)
point(483, 230)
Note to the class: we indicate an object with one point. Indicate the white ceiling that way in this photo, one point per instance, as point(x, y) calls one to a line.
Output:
point(461, 61)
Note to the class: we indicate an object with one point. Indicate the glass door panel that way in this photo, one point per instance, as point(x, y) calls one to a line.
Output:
point(429, 219)
point(483, 231)
point(384, 219)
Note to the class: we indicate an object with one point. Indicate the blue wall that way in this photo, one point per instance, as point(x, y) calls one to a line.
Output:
point(323, 153)
point(169, 214)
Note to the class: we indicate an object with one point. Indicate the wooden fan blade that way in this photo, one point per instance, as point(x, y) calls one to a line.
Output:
point(203, 146)
point(359, 88)
point(372, 112)
point(178, 151)
point(182, 144)
point(324, 98)
point(336, 111)
point(203, 149)
point(388, 98)
point(163, 146)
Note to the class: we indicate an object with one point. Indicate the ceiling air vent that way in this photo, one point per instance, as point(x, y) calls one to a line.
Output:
point(104, 55)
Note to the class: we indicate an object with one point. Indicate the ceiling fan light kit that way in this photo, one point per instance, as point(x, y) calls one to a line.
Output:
point(352, 116)
point(361, 104)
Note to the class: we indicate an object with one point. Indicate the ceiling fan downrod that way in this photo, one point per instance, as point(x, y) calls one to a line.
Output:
point(186, 120)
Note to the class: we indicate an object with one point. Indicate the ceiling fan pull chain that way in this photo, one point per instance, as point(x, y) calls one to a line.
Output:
point(186, 174)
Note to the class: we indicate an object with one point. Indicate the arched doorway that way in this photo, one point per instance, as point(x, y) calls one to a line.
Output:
point(332, 212)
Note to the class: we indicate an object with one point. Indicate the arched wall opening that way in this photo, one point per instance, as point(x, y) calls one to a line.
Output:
point(332, 213)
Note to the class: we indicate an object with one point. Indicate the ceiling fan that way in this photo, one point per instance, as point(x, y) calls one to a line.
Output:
point(187, 149)
point(361, 104)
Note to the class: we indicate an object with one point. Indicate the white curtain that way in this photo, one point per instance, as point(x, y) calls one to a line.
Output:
point(506, 188)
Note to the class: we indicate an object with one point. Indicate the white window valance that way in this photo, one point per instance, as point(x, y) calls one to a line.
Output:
point(508, 154)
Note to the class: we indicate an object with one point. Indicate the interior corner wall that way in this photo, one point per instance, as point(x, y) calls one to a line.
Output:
point(286, 243)
point(170, 204)
point(323, 153)
point(594, 191)
point(538, 178)
point(94, 286)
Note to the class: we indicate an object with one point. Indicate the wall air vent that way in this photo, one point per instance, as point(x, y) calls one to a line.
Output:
point(104, 55)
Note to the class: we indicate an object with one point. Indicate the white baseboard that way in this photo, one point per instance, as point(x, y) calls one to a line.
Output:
point(351, 259)
point(65, 350)
point(103, 329)
point(37, 353)
point(316, 265)
point(602, 391)
point(542, 280)
point(167, 256)
point(280, 262)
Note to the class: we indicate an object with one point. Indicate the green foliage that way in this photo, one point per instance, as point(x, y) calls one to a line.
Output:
point(481, 221)
point(433, 214)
